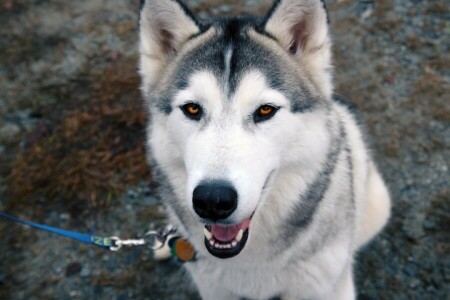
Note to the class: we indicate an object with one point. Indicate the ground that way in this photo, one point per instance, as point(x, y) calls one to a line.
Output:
point(72, 152)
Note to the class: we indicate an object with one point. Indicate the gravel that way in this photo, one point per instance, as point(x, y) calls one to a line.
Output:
point(391, 62)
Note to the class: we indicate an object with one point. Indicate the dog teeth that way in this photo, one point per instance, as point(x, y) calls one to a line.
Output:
point(207, 234)
point(239, 235)
point(221, 245)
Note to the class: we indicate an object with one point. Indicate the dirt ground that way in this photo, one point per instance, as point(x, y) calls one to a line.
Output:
point(72, 152)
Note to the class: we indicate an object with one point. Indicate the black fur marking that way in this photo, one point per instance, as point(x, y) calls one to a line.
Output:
point(272, 298)
point(141, 6)
point(232, 30)
point(326, 10)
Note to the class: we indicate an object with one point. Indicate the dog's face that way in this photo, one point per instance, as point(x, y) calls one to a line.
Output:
point(233, 101)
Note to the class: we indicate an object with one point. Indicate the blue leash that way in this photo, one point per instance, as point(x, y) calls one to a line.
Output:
point(163, 244)
point(105, 243)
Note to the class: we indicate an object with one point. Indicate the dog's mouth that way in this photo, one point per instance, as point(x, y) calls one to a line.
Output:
point(226, 241)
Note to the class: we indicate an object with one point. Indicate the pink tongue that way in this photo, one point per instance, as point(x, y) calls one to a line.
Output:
point(228, 233)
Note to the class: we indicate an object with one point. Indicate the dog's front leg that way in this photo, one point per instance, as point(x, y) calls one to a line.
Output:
point(208, 288)
point(346, 288)
point(214, 292)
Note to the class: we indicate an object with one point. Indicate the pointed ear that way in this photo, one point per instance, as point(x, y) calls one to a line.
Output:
point(301, 27)
point(165, 25)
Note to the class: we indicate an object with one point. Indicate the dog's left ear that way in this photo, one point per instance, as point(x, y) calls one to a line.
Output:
point(301, 28)
point(165, 25)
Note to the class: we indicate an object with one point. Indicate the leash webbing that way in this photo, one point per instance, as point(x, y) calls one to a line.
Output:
point(105, 243)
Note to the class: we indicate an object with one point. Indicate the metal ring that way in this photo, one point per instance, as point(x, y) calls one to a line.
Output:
point(117, 245)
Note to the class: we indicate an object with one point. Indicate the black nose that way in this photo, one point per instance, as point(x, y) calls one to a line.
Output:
point(215, 200)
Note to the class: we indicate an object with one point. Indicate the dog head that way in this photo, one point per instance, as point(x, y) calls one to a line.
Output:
point(233, 101)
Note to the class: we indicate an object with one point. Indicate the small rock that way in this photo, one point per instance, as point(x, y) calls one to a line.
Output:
point(414, 283)
point(367, 13)
point(429, 224)
point(149, 200)
point(65, 216)
point(85, 272)
point(9, 130)
point(132, 194)
point(74, 294)
point(73, 269)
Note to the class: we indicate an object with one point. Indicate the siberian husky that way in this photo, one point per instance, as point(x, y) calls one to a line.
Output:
point(262, 170)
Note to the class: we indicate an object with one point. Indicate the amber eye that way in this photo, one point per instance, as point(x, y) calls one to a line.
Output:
point(266, 110)
point(192, 111)
point(264, 113)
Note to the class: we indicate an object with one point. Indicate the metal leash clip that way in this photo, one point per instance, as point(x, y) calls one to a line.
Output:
point(117, 243)
point(157, 241)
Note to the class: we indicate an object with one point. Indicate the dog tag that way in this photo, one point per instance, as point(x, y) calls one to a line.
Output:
point(182, 249)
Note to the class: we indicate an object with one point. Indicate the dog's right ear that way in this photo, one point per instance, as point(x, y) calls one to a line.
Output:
point(164, 26)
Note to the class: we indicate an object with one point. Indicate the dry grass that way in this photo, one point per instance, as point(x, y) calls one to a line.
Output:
point(431, 97)
point(85, 153)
